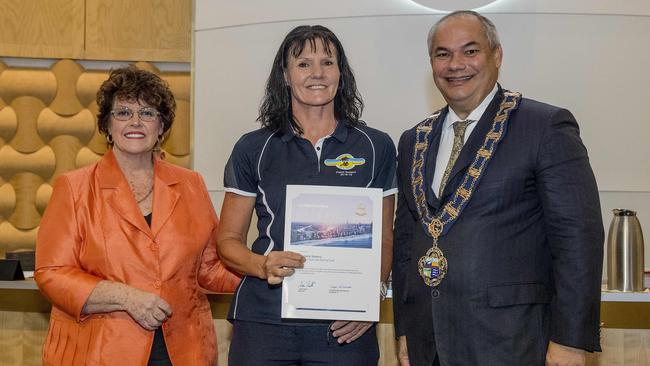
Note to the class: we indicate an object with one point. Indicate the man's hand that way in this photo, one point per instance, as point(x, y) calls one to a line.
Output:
point(559, 355)
point(347, 332)
point(402, 352)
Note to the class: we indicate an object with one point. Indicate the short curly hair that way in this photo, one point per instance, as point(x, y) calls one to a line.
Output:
point(133, 84)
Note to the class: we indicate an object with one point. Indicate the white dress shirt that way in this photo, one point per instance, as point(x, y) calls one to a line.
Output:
point(447, 137)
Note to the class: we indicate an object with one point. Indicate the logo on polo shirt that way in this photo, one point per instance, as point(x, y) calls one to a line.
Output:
point(345, 161)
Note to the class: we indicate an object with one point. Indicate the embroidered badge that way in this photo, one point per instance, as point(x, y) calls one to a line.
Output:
point(345, 161)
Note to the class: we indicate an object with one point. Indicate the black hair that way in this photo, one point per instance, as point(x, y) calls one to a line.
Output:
point(275, 110)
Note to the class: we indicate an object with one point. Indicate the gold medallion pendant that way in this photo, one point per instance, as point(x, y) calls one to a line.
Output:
point(433, 266)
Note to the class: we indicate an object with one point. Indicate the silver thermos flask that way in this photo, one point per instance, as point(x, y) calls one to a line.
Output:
point(625, 252)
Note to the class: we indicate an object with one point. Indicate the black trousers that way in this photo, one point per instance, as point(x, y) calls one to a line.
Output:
point(159, 355)
point(298, 345)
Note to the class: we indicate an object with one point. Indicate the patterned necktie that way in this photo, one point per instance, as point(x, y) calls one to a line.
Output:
point(459, 140)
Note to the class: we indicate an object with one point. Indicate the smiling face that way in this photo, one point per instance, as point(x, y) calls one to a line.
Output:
point(465, 68)
point(133, 137)
point(313, 77)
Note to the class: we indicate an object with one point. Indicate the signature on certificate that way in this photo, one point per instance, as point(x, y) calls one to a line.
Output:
point(337, 289)
point(303, 286)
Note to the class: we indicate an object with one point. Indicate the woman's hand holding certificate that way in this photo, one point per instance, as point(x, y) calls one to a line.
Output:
point(281, 264)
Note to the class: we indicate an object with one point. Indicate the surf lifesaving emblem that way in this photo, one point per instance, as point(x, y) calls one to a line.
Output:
point(345, 161)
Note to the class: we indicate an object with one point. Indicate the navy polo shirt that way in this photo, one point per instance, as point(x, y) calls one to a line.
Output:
point(264, 162)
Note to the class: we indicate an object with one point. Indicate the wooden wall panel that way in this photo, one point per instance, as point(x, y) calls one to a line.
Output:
point(37, 28)
point(48, 127)
point(21, 338)
point(623, 347)
point(152, 30)
point(387, 345)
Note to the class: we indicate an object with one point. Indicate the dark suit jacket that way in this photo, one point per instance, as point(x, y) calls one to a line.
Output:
point(524, 258)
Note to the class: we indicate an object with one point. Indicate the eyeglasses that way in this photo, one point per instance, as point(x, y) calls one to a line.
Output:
point(146, 114)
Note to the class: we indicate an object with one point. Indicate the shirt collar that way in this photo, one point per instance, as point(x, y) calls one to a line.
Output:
point(340, 133)
point(476, 114)
point(288, 135)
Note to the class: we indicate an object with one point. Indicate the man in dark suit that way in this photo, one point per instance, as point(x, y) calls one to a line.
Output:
point(498, 241)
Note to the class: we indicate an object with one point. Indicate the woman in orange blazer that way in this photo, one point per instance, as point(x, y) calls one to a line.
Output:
point(126, 245)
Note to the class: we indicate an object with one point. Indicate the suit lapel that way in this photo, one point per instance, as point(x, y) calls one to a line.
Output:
point(475, 141)
point(118, 193)
point(430, 164)
point(165, 195)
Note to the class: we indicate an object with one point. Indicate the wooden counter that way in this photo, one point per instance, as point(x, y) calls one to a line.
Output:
point(630, 310)
point(24, 316)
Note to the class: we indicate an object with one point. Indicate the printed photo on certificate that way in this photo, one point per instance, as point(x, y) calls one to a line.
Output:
point(338, 230)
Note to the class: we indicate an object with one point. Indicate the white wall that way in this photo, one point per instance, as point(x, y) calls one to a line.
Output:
point(590, 56)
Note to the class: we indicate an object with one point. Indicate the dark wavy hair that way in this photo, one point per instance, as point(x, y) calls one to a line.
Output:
point(275, 110)
point(133, 84)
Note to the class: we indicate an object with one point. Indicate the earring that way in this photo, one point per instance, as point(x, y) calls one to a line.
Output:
point(109, 138)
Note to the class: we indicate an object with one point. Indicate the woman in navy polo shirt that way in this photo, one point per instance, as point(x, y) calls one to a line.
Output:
point(310, 118)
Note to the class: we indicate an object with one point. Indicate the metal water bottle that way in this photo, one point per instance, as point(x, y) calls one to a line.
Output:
point(625, 252)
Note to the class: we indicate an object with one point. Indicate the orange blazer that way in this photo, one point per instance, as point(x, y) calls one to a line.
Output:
point(93, 230)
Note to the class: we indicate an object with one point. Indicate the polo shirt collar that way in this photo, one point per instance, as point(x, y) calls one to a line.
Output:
point(288, 135)
point(340, 133)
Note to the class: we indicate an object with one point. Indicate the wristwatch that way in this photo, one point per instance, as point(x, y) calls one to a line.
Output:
point(383, 290)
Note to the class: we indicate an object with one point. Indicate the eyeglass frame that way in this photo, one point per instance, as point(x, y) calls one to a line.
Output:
point(156, 113)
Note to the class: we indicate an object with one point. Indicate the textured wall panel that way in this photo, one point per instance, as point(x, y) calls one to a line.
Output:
point(88, 84)
point(43, 195)
point(179, 84)
point(12, 238)
point(65, 149)
point(40, 84)
point(2, 69)
point(185, 161)
point(85, 156)
point(8, 124)
point(27, 109)
point(7, 200)
point(14, 162)
point(82, 125)
point(65, 102)
point(148, 66)
point(98, 142)
point(48, 126)
point(25, 215)
point(178, 140)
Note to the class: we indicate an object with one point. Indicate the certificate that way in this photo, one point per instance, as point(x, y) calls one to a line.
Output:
point(338, 230)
